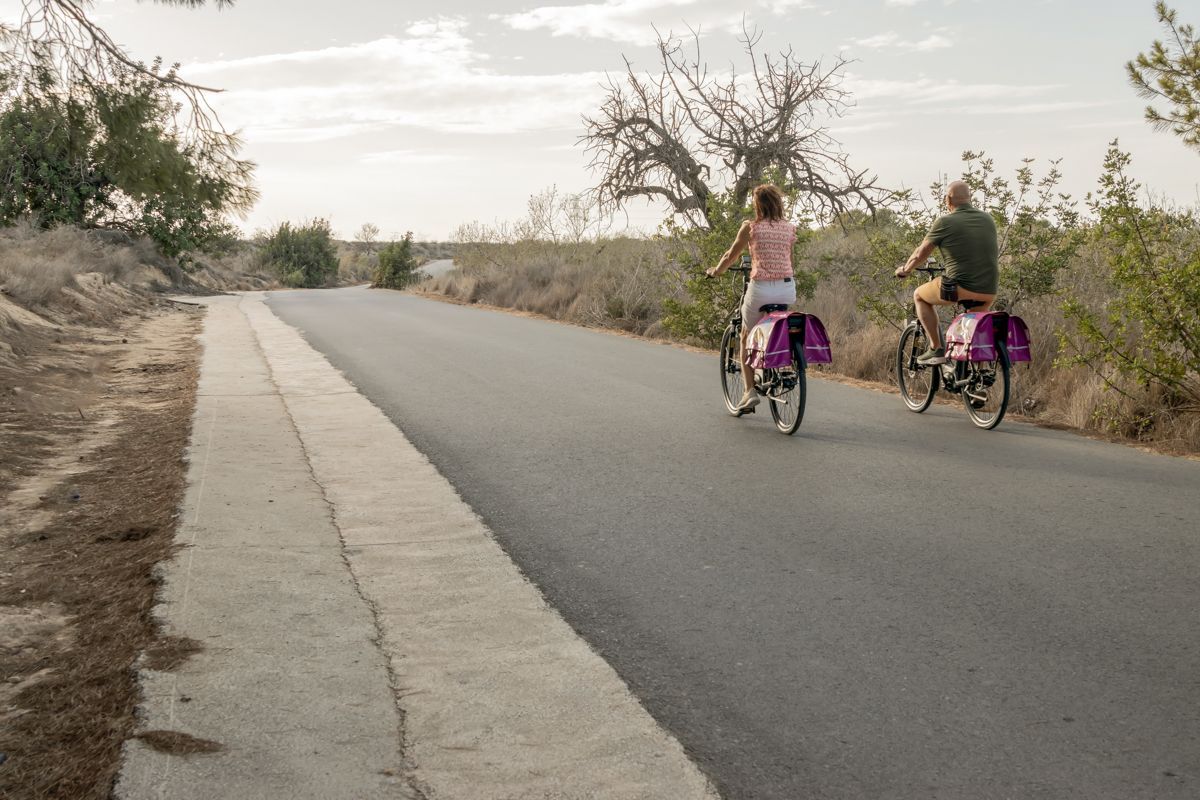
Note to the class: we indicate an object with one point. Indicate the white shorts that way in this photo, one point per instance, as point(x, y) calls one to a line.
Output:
point(763, 293)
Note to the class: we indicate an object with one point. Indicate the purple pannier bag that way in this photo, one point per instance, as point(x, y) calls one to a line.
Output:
point(770, 342)
point(816, 341)
point(1018, 340)
point(973, 336)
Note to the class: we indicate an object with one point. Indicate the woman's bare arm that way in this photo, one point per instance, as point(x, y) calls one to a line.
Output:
point(734, 252)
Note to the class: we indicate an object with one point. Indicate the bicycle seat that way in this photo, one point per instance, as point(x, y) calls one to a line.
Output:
point(969, 304)
point(770, 308)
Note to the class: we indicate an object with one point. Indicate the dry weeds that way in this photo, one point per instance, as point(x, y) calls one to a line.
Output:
point(612, 283)
point(179, 744)
point(90, 512)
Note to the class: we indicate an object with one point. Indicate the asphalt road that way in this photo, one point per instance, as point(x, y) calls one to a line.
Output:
point(886, 605)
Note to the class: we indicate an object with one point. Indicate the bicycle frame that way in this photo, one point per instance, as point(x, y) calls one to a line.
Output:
point(974, 381)
point(783, 387)
point(767, 381)
point(954, 374)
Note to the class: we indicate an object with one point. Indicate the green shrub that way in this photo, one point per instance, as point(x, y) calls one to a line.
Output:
point(1148, 329)
point(304, 256)
point(397, 267)
point(107, 154)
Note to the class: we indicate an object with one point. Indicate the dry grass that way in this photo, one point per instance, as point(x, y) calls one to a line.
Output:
point(179, 744)
point(36, 266)
point(612, 283)
point(237, 271)
point(79, 564)
point(41, 269)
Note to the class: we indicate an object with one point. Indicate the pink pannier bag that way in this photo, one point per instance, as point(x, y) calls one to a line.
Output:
point(973, 336)
point(770, 342)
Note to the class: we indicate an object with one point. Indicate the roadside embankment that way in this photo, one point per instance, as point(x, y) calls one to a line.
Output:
point(91, 446)
point(97, 386)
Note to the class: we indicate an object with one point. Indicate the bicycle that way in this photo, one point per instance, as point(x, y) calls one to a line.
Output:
point(785, 388)
point(982, 385)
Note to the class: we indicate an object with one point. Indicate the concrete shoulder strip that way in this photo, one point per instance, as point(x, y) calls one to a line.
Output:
point(290, 686)
point(500, 698)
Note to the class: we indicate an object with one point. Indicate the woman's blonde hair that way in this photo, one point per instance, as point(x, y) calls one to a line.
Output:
point(768, 202)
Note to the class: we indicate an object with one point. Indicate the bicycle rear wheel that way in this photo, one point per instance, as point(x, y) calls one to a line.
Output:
point(787, 392)
point(986, 393)
point(918, 384)
point(732, 383)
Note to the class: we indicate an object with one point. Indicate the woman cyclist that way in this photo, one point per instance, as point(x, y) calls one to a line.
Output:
point(770, 239)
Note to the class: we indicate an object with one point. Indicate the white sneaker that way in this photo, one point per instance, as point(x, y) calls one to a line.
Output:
point(749, 400)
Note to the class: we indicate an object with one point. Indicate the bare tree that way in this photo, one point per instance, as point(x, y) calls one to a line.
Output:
point(367, 236)
point(684, 133)
point(542, 217)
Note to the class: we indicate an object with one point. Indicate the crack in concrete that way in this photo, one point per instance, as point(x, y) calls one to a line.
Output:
point(419, 792)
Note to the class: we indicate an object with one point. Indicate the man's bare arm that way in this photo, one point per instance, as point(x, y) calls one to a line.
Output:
point(918, 257)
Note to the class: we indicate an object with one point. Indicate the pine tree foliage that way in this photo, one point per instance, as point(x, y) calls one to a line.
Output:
point(92, 137)
point(1170, 72)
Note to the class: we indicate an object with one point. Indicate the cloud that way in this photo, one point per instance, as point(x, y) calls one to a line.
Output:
point(928, 91)
point(1033, 108)
point(633, 21)
point(407, 157)
point(431, 78)
point(881, 125)
point(1108, 124)
point(892, 40)
point(616, 20)
point(903, 3)
point(780, 7)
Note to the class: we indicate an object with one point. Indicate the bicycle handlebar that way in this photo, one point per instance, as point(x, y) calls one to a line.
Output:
point(930, 269)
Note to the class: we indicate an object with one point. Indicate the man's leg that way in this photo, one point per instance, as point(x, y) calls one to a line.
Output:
point(926, 296)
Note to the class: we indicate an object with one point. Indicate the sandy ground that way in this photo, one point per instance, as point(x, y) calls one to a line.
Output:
point(93, 424)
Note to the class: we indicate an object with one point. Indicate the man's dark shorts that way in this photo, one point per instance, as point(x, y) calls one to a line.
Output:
point(949, 291)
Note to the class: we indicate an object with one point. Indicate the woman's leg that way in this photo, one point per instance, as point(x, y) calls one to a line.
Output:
point(750, 317)
point(747, 370)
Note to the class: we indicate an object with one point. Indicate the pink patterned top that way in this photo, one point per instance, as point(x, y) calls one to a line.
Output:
point(771, 250)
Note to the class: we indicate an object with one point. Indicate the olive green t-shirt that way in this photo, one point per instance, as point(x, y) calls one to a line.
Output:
point(967, 239)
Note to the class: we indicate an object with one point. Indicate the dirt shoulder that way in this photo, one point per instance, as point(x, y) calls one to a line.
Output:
point(94, 422)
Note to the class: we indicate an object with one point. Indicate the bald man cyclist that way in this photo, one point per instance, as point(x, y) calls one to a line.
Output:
point(967, 239)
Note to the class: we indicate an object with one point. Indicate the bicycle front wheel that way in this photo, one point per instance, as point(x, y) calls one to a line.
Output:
point(986, 392)
point(787, 393)
point(732, 382)
point(918, 384)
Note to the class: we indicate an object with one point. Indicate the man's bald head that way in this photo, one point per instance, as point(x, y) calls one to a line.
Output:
point(958, 193)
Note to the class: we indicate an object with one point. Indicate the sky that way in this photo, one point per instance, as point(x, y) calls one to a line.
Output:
point(422, 116)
